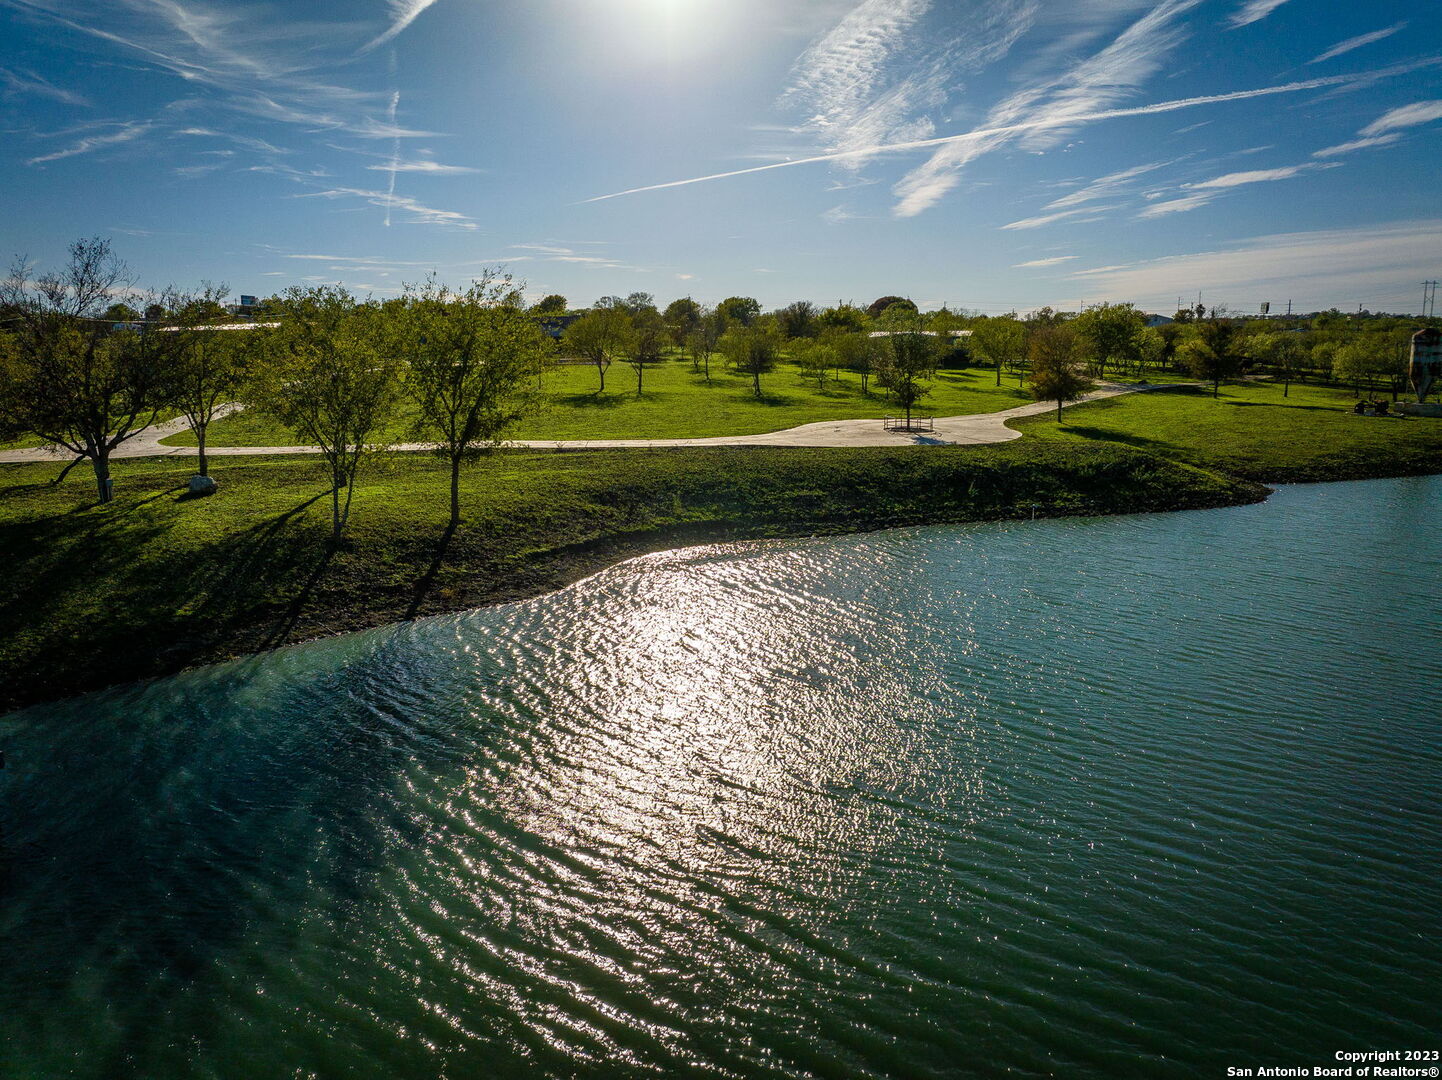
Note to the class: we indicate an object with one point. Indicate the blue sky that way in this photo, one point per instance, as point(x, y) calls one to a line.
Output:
point(993, 154)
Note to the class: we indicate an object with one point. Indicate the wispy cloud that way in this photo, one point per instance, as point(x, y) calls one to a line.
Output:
point(1105, 187)
point(1043, 123)
point(388, 200)
point(423, 166)
point(1257, 176)
point(403, 13)
point(1038, 264)
point(1254, 11)
point(1177, 206)
point(14, 83)
point(1356, 43)
point(1046, 109)
point(1421, 112)
point(1386, 129)
point(127, 133)
point(1320, 265)
point(1049, 219)
point(1358, 144)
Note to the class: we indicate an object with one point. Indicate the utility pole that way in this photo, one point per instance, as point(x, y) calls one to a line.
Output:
point(1289, 309)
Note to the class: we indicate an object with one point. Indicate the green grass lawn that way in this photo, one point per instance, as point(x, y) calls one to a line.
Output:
point(154, 581)
point(1252, 431)
point(678, 403)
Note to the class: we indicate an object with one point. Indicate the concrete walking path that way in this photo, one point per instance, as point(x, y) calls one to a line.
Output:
point(970, 430)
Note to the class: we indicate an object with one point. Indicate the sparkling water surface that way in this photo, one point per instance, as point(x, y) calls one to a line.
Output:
point(1129, 796)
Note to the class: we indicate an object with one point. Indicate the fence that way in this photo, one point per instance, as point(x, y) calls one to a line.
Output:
point(900, 423)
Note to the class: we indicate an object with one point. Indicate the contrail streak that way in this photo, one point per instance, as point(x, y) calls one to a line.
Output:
point(1059, 121)
point(395, 147)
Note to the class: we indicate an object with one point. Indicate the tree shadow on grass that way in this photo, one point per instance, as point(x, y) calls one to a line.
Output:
point(1282, 405)
point(425, 582)
point(595, 400)
point(1141, 442)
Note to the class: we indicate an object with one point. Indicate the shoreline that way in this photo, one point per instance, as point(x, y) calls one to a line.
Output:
point(188, 601)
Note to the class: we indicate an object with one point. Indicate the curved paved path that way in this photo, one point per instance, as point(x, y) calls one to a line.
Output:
point(949, 431)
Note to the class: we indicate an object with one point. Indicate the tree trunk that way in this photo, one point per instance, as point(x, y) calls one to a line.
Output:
point(1058, 410)
point(335, 509)
point(640, 374)
point(998, 371)
point(756, 379)
point(455, 489)
point(202, 465)
point(1286, 386)
point(601, 371)
point(105, 487)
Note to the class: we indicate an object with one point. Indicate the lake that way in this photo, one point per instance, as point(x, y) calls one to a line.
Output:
point(1147, 795)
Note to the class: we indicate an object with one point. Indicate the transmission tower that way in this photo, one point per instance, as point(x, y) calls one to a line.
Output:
point(1429, 299)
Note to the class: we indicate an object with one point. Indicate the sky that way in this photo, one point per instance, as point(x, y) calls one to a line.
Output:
point(987, 154)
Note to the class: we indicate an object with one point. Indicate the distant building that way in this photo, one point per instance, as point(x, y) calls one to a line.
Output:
point(1160, 320)
point(553, 326)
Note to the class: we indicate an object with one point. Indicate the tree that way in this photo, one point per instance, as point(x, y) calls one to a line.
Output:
point(882, 303)
point(816, 359)
point(1151, 349)
point(999, 340)
point(325, 376)
point(555, 304)
point(751, 352)
point(858, 352)
point(682, 316)
point(1208, 351)
point(843, 317)
point(703, 341)
point(797, 320)
point(472, 359)
point(1055, 371)
point(600, 336)
point(1108, 334)
point(637, 302)
point(1283, 353)
point(907, 362)
point(648, 338)
point(209, 367)
point(739, 310)
point(69, 377)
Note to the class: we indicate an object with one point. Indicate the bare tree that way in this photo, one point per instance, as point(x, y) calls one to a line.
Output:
point(71, 377)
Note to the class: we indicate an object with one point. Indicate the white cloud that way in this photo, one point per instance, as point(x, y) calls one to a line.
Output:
point(1257, 176)
point(1356, 43)
point(1358, 144)
point(1254, 11)
point(27, 82)
point(1061, 215)
point(1323, 265)
point(425, 166)
point(1104, 187)
point(127, 133)
point(420, 215)
point(1420, 112)
point(1177, 206)
point(1037, 264)
point(403, 13)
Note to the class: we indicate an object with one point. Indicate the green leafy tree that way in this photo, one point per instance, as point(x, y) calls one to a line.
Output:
point(648, 338)
point(703, 342)
point(1108, 335)
point(682, 317)
point(1152, 349)
point(600, 336)
point(555, 304)
point(843, 317)
point(739, 310)
point(325, 376)
point(797, 320)
point(906, 364)
point(751, 351)
point(1283, 353)
point(882, 303)
point(1209, 351)
point(69, 377)
point(1056, 373)
point(208, 368)
point(472, 360)
point(1000, 340)
point(858, 352)
point(816, 359)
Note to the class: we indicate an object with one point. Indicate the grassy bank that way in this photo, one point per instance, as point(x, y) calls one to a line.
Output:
point(678, 403)
point(1252, 431)
point(154, 582)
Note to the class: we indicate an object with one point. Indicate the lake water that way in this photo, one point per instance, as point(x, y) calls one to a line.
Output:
point(1100, 797)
